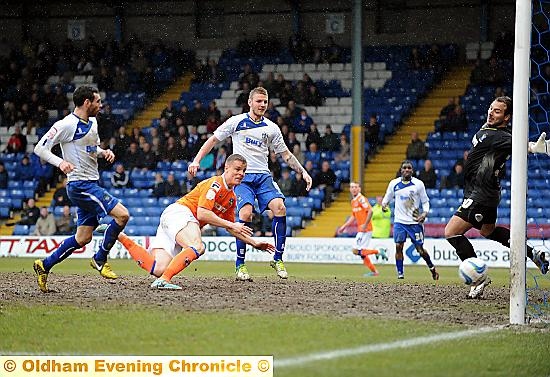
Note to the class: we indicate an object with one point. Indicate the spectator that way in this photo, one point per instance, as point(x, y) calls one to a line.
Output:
point(455, 179)
point(313, 136)
point(120, 177)
point(313, 97)
point(43, 172)
point(242, 98)
point(172, 187)
point(158, 186)
point(274, 165)
point(448, 108)
point(313, 155)
point(169, 113)
point(455, 120)
point(262, 222)
point(272, 113)
point(325, 180)
point(184, 115)
point(24, 171)
point(213, 73)
point(416, 150)
point(149, 158)
point(189, 183)
point(291, 140)
point(299, 187)
point(344, 154)
point(3, 176)
point(60, 197)
point(248, 76)
point(60, 100)
point(301, 93)
point(106, 122)
point(427, 175)
point(65, 223)
point(221, 156)
point(416, 60)
point(297, 152)
point(122, 142)
point(302, 122)
point(330, 141)
point(17, 142)
point(372, 132)
point(172, 150)
point(285, 183)
point(213, 110)
point(120, 81)
point(434, 60)
point(198, 115)
point(30, 213)
point(133, 158)
point(45, 224)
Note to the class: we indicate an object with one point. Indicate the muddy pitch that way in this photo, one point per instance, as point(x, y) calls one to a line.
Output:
point(440, 303)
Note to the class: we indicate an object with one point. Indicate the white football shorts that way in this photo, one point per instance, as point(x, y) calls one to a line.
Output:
point(362, 240)
point(174, 218)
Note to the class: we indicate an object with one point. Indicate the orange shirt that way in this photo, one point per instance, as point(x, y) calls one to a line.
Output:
point(212, 194)
point(360, 208)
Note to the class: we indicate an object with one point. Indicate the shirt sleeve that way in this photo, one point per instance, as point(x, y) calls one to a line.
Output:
point(207, 198)
point(277, 142)
point(58, 133)
point(226, 129)
point(389, 194)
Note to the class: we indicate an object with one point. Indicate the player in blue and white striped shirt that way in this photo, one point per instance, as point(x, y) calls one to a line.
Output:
point(253, 136)
point(78, 136)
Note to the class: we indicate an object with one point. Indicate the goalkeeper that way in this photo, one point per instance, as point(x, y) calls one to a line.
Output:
point(483, 170)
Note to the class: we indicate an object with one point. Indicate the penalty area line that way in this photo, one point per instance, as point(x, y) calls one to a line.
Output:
point(372, 348)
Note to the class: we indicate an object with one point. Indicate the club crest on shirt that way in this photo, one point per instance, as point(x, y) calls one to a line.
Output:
point(231, 202)
point(478, 217)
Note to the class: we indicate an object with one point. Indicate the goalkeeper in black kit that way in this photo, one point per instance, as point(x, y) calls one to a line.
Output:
point(483, 170)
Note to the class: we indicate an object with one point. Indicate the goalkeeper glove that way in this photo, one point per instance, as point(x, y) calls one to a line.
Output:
point(541, 146)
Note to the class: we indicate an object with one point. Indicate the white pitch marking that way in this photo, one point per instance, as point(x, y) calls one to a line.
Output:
point(331, 355)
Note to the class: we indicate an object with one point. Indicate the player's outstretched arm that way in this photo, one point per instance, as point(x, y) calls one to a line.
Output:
point(295, 165)
point(540, 146)
point(206, 147)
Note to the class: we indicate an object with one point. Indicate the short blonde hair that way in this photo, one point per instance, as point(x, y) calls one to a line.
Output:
point(258, 90)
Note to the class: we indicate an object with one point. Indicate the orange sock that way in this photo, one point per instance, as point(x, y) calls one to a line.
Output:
point(365, 252)
point(180, 261)
point(138, 253)
point(368, 263)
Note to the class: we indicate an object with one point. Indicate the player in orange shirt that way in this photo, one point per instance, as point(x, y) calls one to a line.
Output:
point(361, 212)
point(178, 240)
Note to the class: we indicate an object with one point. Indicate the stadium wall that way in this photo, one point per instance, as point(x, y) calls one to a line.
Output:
point(176, 21)
point(306, 250)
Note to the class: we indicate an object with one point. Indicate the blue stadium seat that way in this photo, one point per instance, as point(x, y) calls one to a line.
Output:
point(20, 230)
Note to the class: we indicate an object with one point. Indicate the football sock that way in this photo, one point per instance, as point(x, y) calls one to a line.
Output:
point(180, 261)
point(278, 227)
point(109, 239)
point(502, 235)
point(65, 249)
point(463, 247)
point(427, 258)
point(367, 262)
point(368, 252)
point(138, 253)
point(399, 266)
point(241, 248)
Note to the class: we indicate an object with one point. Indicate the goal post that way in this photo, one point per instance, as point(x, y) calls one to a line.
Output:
point(520, 135)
